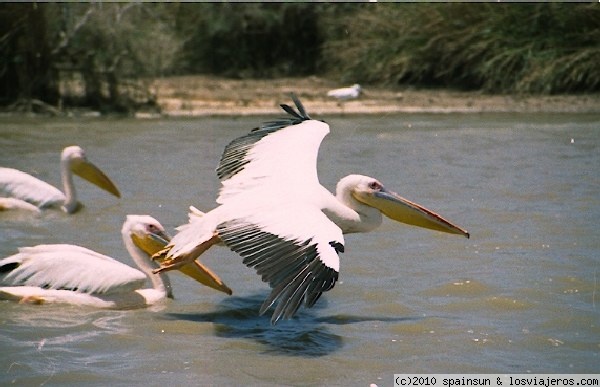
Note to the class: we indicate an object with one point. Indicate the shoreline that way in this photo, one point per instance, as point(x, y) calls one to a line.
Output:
point(197, 96)
point(204, 96)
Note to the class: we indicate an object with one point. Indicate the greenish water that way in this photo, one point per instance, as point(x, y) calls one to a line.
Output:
point(522, 295)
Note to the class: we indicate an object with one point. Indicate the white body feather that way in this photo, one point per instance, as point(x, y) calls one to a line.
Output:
point(22, 186)
point(63, 273)
point(72, 267)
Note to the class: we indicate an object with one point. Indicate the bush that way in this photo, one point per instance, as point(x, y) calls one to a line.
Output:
point(536, 48)
point(249, 40)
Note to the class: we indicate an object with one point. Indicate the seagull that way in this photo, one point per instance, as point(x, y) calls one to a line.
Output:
point(346, 93)
point(275, 214)
point(25, 192)
point(71, 274)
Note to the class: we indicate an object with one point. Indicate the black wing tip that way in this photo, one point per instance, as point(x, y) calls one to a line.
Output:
point(300, 114)
point(290, 110)
point(303, 114)
point(297, 116)
point(8, 267)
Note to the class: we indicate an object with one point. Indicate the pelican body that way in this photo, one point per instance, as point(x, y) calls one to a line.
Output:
point(276, 215)
point(26, 192)
point(71, 274)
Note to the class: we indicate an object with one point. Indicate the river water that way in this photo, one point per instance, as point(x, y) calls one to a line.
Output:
point(522, 295)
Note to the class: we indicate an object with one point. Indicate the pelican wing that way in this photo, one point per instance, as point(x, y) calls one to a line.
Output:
point(269, 154)
point(21, 185)
point(297, 257)
point(69, 267)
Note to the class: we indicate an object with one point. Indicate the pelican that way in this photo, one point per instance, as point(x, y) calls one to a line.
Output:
point(275, 214)
point(346, 93)
point(71, 274)
point(26, 192)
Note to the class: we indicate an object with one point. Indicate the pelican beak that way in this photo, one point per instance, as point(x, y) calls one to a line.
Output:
point(205, 276)
point(154, 243)
point(151, 243)
point(403, 210)
point(94, 175)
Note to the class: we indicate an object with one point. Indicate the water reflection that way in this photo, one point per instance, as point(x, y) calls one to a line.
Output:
point(305, 335)
point(237, 317)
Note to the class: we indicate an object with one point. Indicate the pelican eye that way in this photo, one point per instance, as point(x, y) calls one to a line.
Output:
point(153, 229)
point(375, 185)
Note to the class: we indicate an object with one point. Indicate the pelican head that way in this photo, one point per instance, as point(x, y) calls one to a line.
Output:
point(74, 157)
point(370, 192)
point(146, 233)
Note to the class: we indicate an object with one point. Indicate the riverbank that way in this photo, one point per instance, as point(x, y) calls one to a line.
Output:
point(198, 95)
point(204, 95)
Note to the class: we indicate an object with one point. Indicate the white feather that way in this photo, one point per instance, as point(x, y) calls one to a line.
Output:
point(20, 185)
point(271, 159)
point(77, 275)
point(65, 266)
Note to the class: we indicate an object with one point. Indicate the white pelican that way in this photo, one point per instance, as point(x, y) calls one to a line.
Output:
point(346, 93)
point(28, 193)
point(72, 274)
point(275, 214)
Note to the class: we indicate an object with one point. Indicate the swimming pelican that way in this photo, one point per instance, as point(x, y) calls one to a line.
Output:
point(346, 93)
point(276, 215)
point(72, 274)
point(28, 193)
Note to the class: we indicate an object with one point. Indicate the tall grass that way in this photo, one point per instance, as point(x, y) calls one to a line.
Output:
point(529, 48)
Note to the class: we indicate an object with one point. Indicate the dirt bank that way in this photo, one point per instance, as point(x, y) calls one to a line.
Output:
point(200, 96)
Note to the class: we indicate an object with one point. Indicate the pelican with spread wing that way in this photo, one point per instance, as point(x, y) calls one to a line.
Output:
point(25, 192)
point(275, 214)
point(73, 274)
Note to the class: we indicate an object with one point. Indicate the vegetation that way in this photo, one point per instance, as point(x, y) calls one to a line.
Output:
point(82, 54)
point(104, 54)
point(249, 40)
point(534, 48)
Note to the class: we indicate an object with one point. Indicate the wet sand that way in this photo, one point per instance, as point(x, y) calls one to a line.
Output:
point(211, 96)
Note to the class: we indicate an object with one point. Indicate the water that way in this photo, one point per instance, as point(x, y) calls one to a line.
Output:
point(522, 295)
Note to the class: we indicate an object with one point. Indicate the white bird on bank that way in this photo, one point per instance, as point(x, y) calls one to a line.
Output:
point(23, 191)
point(276, 215)
point(72, 274)
point(346, 93)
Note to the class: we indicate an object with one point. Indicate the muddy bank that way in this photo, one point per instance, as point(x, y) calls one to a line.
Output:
point(201, 96)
